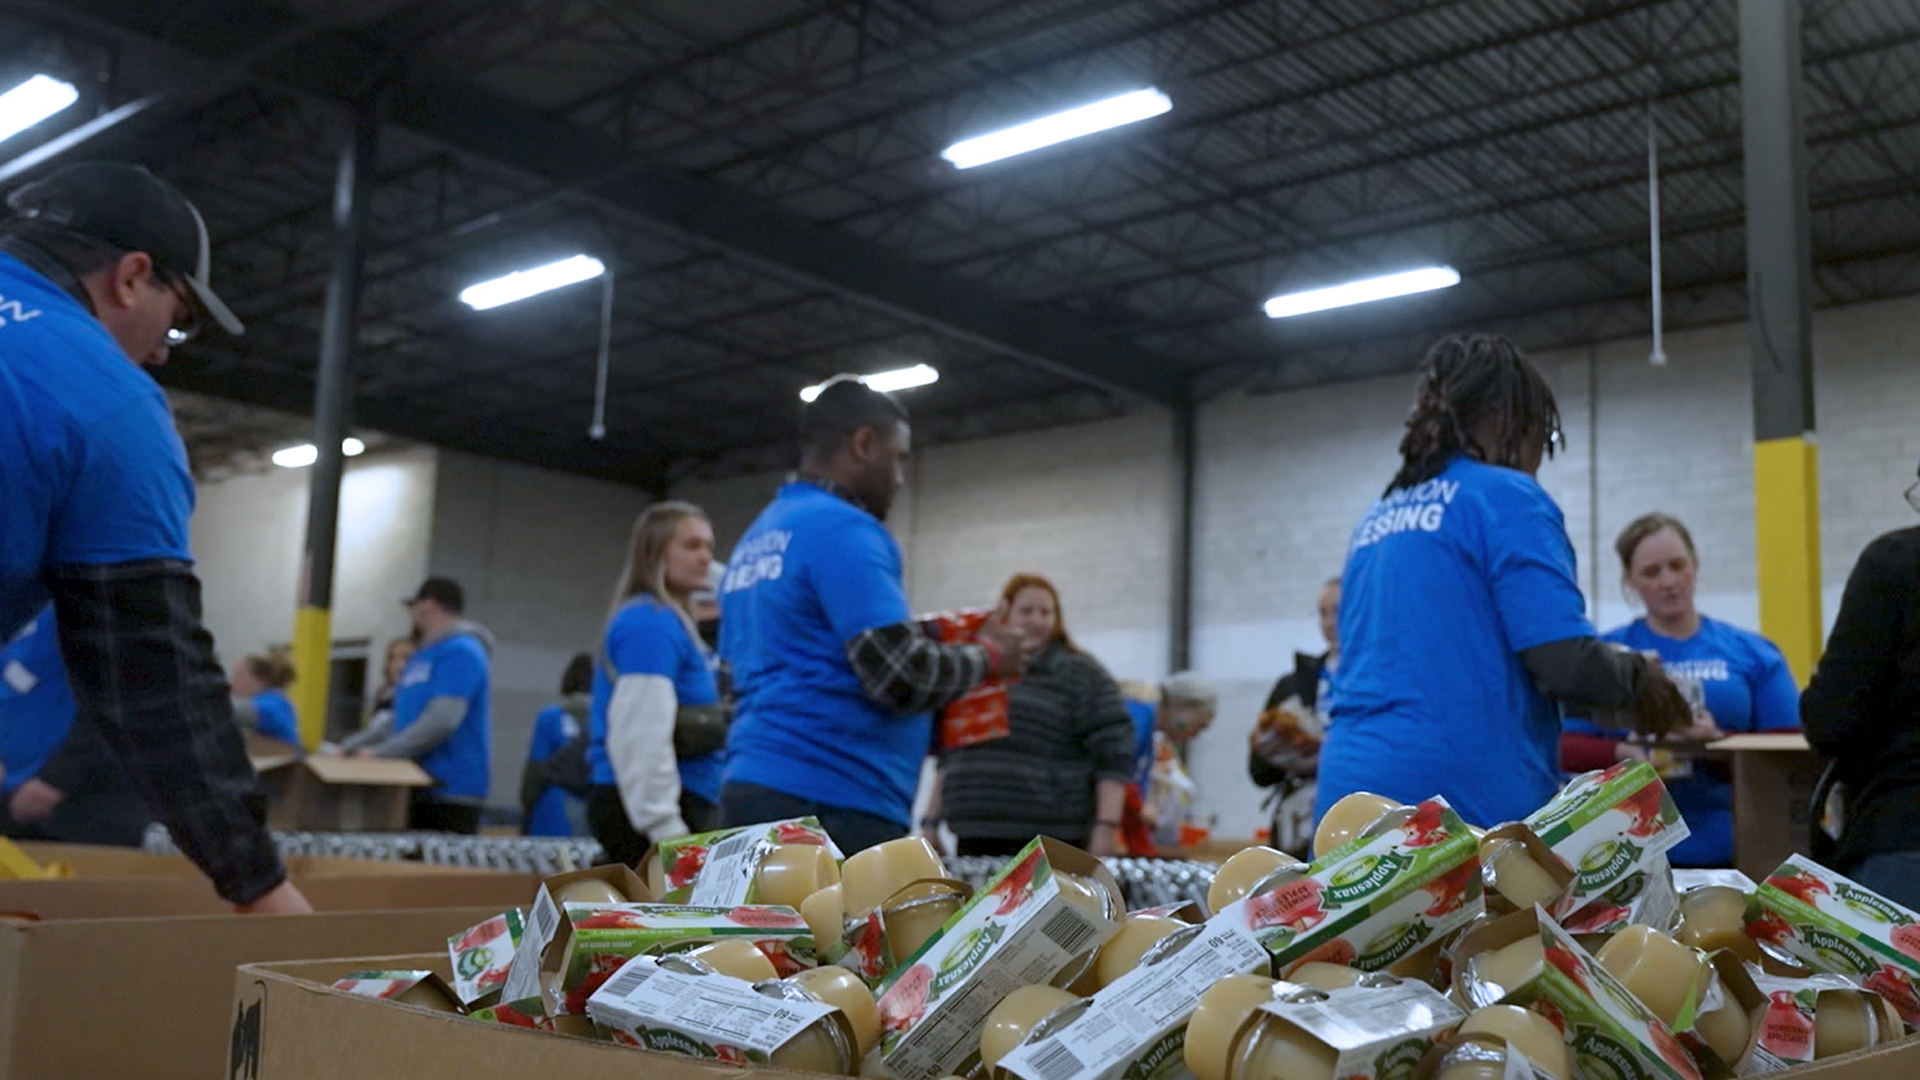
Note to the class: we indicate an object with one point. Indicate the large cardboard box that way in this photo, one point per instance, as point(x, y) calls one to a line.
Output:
point(339, 794)
point(288, 1024)
point(118, 883)
point(1773, 781)
point(150, 998)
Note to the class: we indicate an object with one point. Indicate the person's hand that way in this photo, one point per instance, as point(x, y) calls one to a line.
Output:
point(284, 899)
point(1104, 841)
point(1661, 709)
point(34, 800)
point(1701, 730)
point(1014, 648)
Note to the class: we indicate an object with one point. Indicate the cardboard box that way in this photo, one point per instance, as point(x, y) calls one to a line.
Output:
point(1375, 901)
point(1020, 929)
point(1830, 923)
point(1137, 1026)
point(1773, 780)
point(1609, 1031)
point(340, 794)
point(148, 998)
point(331, 885)
point(1614, 826)
point(286, 1024)
point(94, 862)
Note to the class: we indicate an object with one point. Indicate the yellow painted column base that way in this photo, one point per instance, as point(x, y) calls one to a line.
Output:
point(1786, 487)
point(313, 665)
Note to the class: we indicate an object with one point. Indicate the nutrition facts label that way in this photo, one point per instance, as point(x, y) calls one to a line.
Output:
point(711, 1010)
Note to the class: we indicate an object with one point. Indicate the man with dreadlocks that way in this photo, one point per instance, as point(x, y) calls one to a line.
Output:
point(1462, 627)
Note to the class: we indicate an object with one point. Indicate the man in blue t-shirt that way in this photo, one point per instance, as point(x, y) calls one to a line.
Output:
point(440, 714)
point(834, 678)
point(93, 800)
point(103, 270)
point(1462, 629)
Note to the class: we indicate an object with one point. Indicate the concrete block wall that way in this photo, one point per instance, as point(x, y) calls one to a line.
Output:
point(537, 553)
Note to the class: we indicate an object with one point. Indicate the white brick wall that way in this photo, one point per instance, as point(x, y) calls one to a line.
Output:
point(1280, 482)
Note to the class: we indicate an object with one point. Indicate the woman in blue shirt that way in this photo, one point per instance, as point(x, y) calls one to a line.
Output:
point(1745, 682)
point(260, 697)
point(1462, 627)
point(653, 675)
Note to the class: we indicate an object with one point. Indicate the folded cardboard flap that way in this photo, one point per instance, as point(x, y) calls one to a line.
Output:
point(93, 862)
point(169, 1005)
point(148, 897)
point(335, 769)
point(267, 753)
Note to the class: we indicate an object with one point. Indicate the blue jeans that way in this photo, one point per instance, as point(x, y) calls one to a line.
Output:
point(1894, 875)
point(852, 830)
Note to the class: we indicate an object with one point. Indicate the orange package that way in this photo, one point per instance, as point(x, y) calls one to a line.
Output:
point(979, 715)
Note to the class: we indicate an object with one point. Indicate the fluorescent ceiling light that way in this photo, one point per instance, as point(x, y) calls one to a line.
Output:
point(531, 282)
point(299, 457)
point(886, 381)
point(1085, 120)
point(1363, 291)
point(33, 101)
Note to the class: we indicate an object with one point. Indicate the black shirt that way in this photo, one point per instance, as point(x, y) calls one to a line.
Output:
point(1863, 705)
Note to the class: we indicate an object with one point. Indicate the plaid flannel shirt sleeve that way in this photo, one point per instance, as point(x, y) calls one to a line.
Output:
point(909, 672)
point(142, 669)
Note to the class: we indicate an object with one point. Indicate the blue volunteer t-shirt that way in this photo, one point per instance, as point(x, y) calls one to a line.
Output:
point(811, 574)
point(1446, 582)
point(277, 719)
point(554, 728)
point(91, 468)
point(1748, 688)
point(454, 666)
point(1144, 716)
point(36, 707)
point(647, 637)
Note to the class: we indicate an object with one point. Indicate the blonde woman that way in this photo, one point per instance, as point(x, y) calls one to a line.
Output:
point(652, 678)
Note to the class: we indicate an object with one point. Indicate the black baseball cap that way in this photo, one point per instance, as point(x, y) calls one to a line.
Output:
point(441, 590)
point(134, 210)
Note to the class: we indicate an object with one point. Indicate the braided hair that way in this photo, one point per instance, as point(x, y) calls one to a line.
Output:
point(1466, 380)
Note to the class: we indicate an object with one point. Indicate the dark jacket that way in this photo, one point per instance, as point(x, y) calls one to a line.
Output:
point(1862, 706)
point(1302, 682)
point(1067, 729)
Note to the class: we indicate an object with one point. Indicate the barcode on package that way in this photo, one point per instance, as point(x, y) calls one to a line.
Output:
point(1056, 1062)
point(632, 977)
point(546, 919)
point(725, 876)
point(1069, 930)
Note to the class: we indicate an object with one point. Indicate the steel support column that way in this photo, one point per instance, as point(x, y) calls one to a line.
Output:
point(1780, 330)
point(1180, 625)
point(332, 410)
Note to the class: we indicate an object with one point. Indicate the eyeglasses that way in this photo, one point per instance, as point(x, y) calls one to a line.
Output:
point(187, 325)
point(1913, 495)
